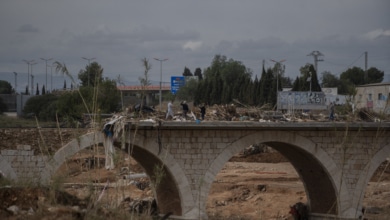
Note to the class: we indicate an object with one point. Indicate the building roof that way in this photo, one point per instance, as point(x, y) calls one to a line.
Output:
point(375, 84)
point(148, 88)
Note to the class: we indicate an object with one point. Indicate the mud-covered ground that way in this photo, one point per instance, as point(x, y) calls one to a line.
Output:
point(260, 186)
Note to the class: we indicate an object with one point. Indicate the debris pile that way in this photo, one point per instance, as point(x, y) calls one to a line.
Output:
point(242, 112)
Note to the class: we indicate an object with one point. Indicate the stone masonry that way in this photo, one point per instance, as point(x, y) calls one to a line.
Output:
point(334, 160)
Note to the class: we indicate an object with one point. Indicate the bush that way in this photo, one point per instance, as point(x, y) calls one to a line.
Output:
point(3, 106)
point(44, 107)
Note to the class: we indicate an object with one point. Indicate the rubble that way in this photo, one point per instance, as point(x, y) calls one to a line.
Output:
point(238, 111)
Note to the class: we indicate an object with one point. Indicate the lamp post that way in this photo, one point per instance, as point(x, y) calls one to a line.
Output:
point(32, 83)
point(16, 89)
point(277, 76)
point(89, 65)
point(28, 74)
point(51, 78)
point(32, 77)
point(161, 61)
point(46, 69)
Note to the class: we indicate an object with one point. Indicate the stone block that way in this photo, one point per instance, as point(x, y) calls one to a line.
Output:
point(23, 147)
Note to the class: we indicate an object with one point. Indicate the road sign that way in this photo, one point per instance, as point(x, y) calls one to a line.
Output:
point(176, 83)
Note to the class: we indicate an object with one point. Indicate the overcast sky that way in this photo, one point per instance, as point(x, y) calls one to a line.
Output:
point(119, 33)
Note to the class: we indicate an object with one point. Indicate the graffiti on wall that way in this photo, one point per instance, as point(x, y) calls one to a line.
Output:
point(301, 100)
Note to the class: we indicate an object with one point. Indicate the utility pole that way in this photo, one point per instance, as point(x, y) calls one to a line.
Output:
point(365, 66)
point(16, 86)
point(29, 62)
point(278, 71)
point(32, 83)
point(89, 66)
point(161, 61)
point(316, 54)
point(32, 77)
point(46, 69)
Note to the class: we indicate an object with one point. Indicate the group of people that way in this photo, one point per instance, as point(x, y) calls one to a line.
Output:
point(185, 110)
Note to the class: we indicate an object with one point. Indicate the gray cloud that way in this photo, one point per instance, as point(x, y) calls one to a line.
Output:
point(28, 28)
point(190, 33)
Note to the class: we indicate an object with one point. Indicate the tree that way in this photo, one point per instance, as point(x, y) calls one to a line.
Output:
point(374, 75)
point(43, 90)
point(44, 107)
point(37, 90)
point(91, 75)
point(198, 73)
point(308, 81)
point(354, 75)
point(5, 87)
point(223, 80)
point(3, 106)
point(187, 72)
point(186, 92)
point(330, 80)
point(145, 82)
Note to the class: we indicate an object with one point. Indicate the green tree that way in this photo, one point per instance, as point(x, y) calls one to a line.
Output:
point(186, 92)
point(330, 80)
point(268, 87)
point(5, 87)
point(3, 106)
point(145, 82)
point(308, 80)
point(198, 73)
point(354, 75)
point(224, 79)
point(102, 97)
point(374, 75)
point(91, 75)
point(286, 82)
point(37, 90)
point(44, 107)
point(187, 72)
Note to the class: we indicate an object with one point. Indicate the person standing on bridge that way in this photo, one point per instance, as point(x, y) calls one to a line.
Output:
point(202, 110)
point(185, 109)
point(170, 110)
point(331, 109)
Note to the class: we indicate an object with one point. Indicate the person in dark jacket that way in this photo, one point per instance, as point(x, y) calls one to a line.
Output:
point(202, 110)
point(185, 108)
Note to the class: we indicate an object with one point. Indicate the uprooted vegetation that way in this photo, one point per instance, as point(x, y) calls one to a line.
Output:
point(241, 112)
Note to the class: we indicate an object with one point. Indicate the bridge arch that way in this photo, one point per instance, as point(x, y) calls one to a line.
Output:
point(173, 193)
point(145, 152)
point(6, 170)
point(308, 160)
point(382, 155)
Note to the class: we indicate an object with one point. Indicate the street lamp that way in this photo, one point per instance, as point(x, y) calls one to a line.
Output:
point(16, 87)
point(32, 83)
point(51, 78)
point(89, 65)
point(277, 77)
point(46, 69)
point(28, 73)
point(161, 60)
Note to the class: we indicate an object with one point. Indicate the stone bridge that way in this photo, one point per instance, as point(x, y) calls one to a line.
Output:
point(335, 161)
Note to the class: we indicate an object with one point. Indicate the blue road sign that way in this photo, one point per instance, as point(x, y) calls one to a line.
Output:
point(176, 83)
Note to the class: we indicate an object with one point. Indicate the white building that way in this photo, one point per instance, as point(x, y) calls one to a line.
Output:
point(374, 97)
point(331, 95)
